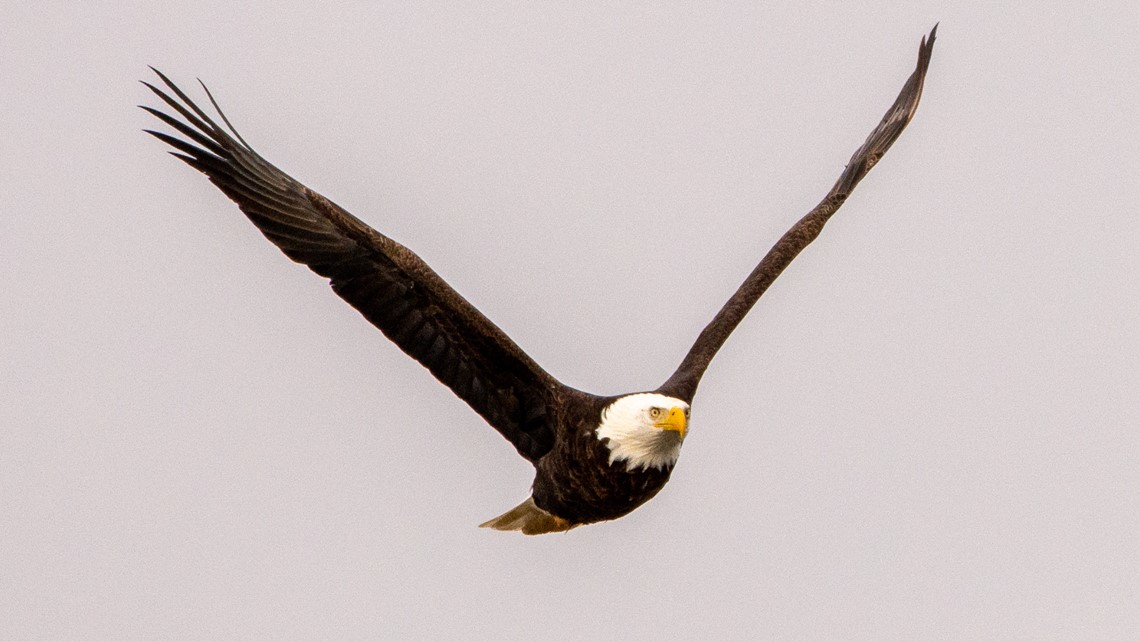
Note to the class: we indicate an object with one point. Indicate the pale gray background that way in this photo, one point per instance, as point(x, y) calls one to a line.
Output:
point(927, 429)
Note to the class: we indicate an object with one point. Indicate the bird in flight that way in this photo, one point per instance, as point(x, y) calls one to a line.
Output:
point(596, 458)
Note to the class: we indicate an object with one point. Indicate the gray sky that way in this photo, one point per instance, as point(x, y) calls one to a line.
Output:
point(928, 428)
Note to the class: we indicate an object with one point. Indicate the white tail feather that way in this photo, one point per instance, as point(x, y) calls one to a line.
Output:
point(528, 518)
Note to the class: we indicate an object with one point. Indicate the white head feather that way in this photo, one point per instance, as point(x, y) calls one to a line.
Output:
point(633, 435)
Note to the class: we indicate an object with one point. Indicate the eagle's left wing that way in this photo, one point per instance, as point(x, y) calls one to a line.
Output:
point(683, 383)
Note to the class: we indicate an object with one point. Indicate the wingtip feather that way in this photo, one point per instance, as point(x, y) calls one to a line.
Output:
point(927, 47)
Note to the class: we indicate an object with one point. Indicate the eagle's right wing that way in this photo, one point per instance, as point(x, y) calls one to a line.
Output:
point(387, 283)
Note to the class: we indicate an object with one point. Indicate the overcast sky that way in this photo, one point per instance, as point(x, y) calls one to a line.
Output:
point(928, 428)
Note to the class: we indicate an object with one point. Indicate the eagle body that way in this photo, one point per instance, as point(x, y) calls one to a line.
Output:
point(582, 481)
point(596, 458)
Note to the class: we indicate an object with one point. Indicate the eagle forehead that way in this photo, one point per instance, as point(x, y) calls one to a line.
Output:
point(644, 400)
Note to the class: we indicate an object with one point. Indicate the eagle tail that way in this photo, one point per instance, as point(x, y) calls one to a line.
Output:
point(528, 518)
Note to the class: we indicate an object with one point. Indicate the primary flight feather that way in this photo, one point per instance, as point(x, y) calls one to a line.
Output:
point(595, 457)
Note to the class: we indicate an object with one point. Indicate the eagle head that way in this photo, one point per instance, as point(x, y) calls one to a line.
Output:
point(644, 430)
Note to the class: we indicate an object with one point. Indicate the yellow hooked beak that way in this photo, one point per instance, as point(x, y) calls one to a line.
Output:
point(675, 421)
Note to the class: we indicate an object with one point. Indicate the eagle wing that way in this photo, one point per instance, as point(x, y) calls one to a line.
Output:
point(386, 282)
point(683, 383)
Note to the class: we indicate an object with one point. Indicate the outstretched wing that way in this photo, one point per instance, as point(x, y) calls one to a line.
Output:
point(387, 283)
point(683, 383)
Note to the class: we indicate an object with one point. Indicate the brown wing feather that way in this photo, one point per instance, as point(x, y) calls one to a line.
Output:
point(386, 282)
point(683, 383)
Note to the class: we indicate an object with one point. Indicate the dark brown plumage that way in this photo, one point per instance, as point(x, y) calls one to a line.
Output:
point(579, 476)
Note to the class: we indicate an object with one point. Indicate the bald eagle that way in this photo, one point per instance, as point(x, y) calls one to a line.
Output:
point(595, 457)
